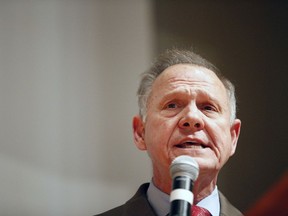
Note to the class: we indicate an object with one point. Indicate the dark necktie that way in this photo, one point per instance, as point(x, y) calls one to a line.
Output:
point(199, 211)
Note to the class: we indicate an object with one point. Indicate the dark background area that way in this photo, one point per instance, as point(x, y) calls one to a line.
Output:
point(247, 41)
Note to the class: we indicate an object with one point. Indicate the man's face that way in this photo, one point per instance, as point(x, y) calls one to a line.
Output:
point(187, 114)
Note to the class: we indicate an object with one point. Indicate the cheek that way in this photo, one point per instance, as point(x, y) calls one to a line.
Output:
point(157, 123)
point(226, 147)
point(158, 132)
point(220, 136)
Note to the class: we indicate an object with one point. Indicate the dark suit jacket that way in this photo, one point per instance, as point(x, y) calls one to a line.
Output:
point(138, 205)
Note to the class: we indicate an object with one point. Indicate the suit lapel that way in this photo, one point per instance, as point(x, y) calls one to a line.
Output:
point(226, 208)
point(139, 203)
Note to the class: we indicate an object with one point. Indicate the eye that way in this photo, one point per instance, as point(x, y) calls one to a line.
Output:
point(209, 107)
point(172, 106)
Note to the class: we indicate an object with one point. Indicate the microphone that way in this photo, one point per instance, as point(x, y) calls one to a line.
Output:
point(184, 171)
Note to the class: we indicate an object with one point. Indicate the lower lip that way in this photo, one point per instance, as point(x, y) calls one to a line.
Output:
point(189, 150)
point(192, 151)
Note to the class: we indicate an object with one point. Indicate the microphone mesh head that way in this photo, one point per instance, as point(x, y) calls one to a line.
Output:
point(184, 165)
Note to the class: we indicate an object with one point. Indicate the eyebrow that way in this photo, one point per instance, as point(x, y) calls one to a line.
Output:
point(200, 93)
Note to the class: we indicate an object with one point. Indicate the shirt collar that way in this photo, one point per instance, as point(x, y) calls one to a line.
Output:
point(211, 203)
point(160, 201)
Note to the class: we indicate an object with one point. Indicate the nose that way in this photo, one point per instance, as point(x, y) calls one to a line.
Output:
point(191, 120)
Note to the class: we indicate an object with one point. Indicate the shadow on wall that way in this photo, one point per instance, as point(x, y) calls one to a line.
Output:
point(248, 41)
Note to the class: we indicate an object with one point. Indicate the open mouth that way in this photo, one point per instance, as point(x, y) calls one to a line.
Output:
point(190, 145)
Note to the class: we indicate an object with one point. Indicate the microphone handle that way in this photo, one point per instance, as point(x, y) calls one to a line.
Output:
point(181, 197)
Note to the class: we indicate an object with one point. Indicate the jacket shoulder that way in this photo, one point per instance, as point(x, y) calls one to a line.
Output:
point(138, 205)
point(226, 208)
point(113, 212)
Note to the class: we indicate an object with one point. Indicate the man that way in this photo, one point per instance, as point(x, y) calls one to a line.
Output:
point(186, 108)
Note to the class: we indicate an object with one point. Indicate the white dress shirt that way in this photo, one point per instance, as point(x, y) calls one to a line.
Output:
point(160, 201)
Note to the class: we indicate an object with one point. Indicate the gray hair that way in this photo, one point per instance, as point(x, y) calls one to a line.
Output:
point(173, 57)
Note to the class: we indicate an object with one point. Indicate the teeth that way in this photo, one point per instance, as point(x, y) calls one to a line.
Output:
point(190, 145)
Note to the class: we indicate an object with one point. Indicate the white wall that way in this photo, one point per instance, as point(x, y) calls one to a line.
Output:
point(69, 71)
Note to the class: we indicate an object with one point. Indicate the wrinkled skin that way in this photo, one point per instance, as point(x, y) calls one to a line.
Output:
point(188, 113)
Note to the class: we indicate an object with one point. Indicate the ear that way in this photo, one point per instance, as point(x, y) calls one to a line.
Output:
point(235, 132)
point(138, 132)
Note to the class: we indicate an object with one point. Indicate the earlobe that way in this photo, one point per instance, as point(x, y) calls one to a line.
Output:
point(235, 132)
point(138, 133)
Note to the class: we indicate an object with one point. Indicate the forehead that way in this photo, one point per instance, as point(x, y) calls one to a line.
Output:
point(185, 75)
point(186, 79)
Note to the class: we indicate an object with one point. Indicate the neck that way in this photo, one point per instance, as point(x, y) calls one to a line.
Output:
point(203, 187)
point(164, 186)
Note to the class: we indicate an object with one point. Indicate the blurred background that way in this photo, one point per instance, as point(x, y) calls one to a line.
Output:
point(69, 71)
